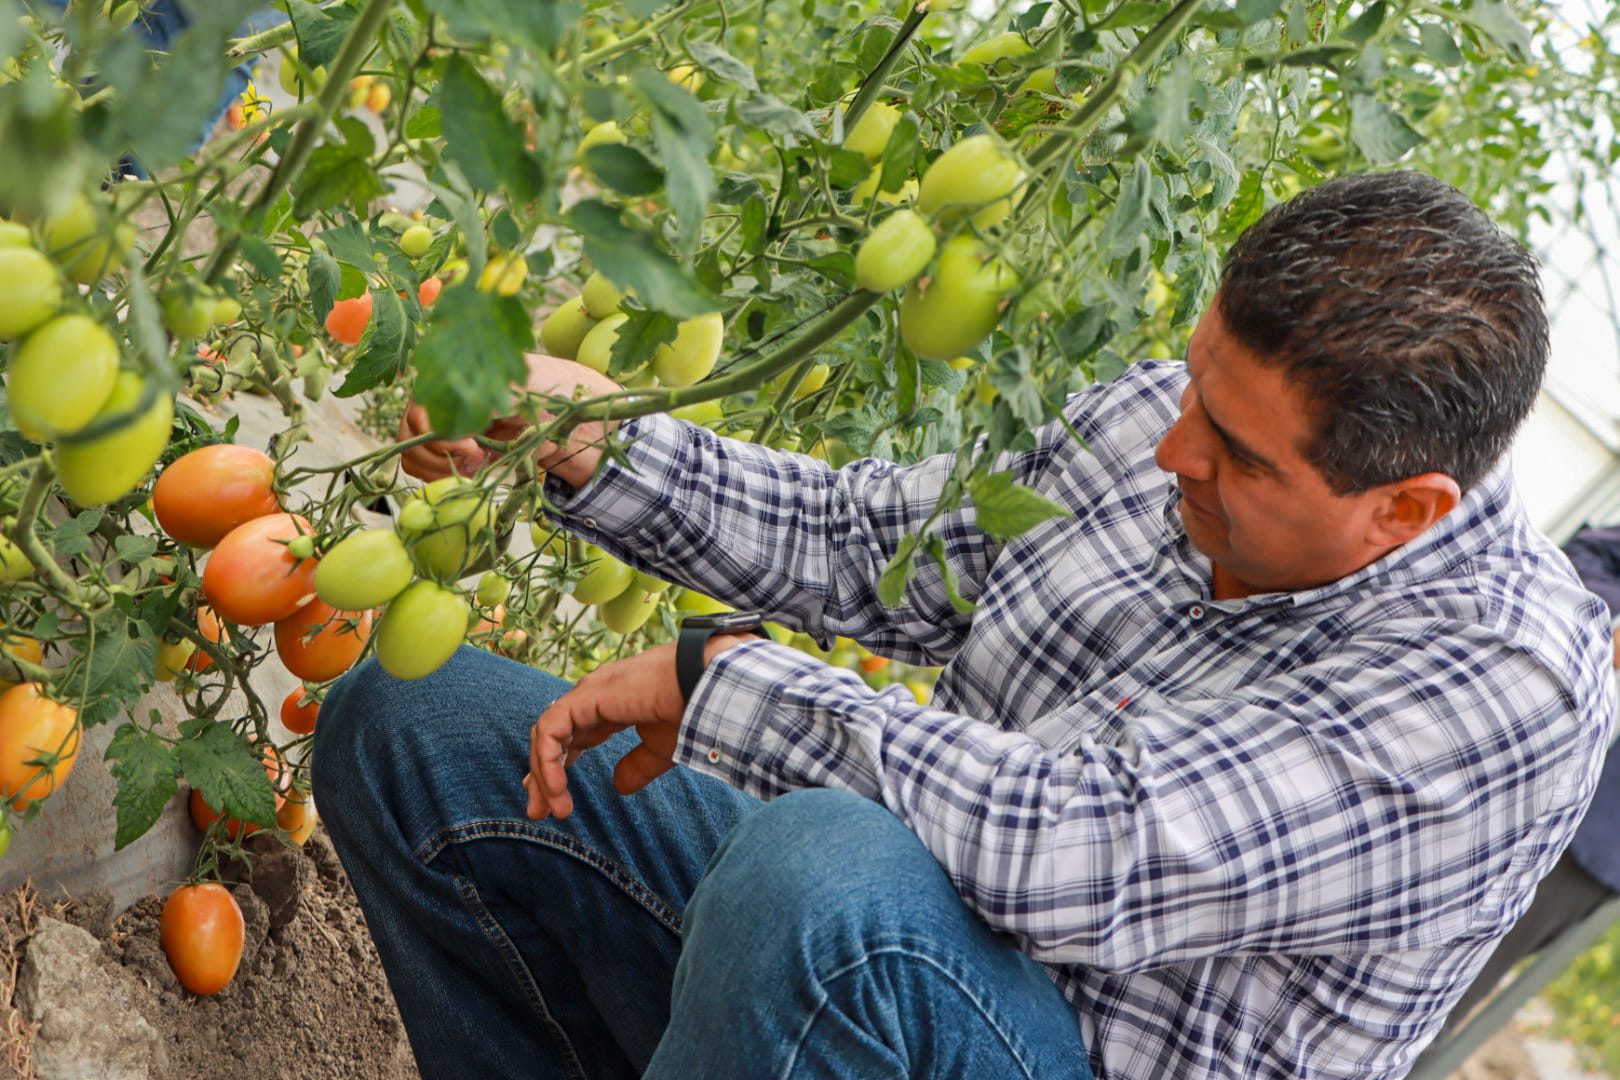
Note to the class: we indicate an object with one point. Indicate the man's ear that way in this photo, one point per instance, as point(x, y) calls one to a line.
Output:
point(1408, 507)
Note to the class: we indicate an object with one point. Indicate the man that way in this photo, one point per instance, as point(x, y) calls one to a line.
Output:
point(1238, 772)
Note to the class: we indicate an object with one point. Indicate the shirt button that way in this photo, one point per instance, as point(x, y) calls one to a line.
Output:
point(714, 757)
point(589, 523)
point(1196, 611)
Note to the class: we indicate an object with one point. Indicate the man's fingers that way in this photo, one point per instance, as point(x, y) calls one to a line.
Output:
point(637, 769)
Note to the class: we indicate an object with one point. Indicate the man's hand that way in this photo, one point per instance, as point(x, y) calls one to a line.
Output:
point(574, 462)
point(639, 691)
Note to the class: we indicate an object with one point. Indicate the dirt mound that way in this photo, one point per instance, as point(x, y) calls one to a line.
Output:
point(309, 999)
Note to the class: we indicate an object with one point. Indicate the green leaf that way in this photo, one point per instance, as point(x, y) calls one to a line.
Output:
point(335, 174)
point(73, 535)
point(638, 337)
point(624, 169)
point(384, 347)
point(148, 773)
point(775, 116)
point(1253, 11)
point(837, 266)
point(1379, 130)
point(1438, 46)
point(484, 141)
point(319, 34)
point(349, 243)
point(1124, 228)
point(538, 26)
point(906, 377)
point(121, 665)
point(900, 154)
point(134, 549)
point(891, 587)
point(262, 257)
point(162, 108)
point(1131, 13)
point(751, 229)
point(1366, 24)
point(953, 586)
point(1497, 20)
point(1007, 510)
point(681, 129)
point(631, 257)
point(423, 123)
point(229, 773)
point(324, 280)
point(723, 65)
point(470, 356)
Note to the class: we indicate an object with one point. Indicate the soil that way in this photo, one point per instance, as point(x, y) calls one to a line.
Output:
point(309, 998)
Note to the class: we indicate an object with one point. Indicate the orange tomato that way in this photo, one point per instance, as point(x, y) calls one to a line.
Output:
point(428, 291)
point(211, 628)
point(296, 718)
point(210, 491)
point(202, 932)
point(39, 741)
point(297, 817)
point(347, 320)
point(252, 578)
point(318, 642)
point(870, 664)
point(23, 648)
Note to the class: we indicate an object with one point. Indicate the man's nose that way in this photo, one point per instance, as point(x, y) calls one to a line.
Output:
point(1181, 451)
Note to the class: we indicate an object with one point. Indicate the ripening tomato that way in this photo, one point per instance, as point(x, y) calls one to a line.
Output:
point(364, 570)
point(975, 175)
point(459, 532)
point(105, 469)
point(227, 309)
point(696, 603)
point(627, 612)
point(647, 583)
point(600, 296)
point(210, 627)
point(14, 234)
point(39, 741)
point(416, 240)
point(298, 718)
point(705, 413)
point(692, 354)
point(863, 192)
point(606, 578)
point(297, 817)
point(607, 133)
point(596, 348)
point(80, 245)
point(203, 933)
point(492, 590)
point(1008, 46)
point(504, 274)
point(30, 290)
point(318, 643)
point(564, 329)
point(210, 491)
point(871, 132)
point(60, 376)
point(23, 648)
point(898, 249)
point(348, 318)
point(960, 304)
point(188, 312)
point(421, 630)
point(173, 657)
point(428, 291)
point(378, 98)
point(252, 579)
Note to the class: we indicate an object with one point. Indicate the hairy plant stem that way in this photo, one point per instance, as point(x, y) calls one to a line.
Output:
point(355, 46)
point(22, 532)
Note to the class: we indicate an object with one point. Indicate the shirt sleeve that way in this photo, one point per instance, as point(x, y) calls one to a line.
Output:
point(1384, 799)
point(790, 536)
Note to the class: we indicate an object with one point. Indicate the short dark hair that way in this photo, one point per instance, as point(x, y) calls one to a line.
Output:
point(1414, 325)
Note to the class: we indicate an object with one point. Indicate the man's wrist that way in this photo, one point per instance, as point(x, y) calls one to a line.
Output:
point(719, 643)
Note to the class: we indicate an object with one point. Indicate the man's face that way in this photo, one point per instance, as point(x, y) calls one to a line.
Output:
point(1250, 501)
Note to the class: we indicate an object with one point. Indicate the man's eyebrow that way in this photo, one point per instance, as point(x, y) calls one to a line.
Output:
point(1236, 445)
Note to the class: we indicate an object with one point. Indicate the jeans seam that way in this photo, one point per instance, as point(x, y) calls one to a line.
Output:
point(627, 882)
point(1001, 1031)
point(496, 934)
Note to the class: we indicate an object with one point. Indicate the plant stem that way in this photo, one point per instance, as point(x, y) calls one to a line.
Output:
point(873, 83)
point(22, 531)
point(265, 40)
point(631, 41)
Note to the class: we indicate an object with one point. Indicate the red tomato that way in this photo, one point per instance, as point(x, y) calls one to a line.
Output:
point(338, 637)
point(208, 623)
point(296, 718)
point(297, 817)
point(428, 291)
point(252, 579)
point(202, 932)
point(210, 491)
point(39, 741)
point(347, 320)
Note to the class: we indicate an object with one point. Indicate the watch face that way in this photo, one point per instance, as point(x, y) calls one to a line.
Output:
point(725, 620)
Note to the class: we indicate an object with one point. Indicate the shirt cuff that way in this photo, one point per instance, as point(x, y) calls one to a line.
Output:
point(621, 498)
point(731, 708)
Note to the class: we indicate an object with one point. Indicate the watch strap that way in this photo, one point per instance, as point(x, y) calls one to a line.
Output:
point(691, 645)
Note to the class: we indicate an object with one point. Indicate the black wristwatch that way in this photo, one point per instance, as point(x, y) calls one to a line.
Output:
point(695, 634)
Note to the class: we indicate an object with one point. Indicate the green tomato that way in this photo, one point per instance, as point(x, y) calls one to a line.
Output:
point(421, 630)
point(692, 354)
point(492, 589)
point(75, 239)
point(1042, 80)
point(293, 83)
point(600, 296)
point(627, 612)
point(106, 469)
point(30, 290)
point(364, 570)
point(416, 240)
point(596, 347)
point(14, 565)
point(866, 189)
point(607, 578)
point(227, 309)
point(416, 517)
point(301, 547)
point(189, 313)
point(60, 376)
point(461, 530)
point(5, 830)
point(548, 539)
point(871, 132)
point(898, 249)
point(647, 583)
point(691, 602)
point(606, 133)
point(961, 304)
point(1008, 46)
point(974, 175)
point(564, 329)
point(13, 234)
point(706, 413)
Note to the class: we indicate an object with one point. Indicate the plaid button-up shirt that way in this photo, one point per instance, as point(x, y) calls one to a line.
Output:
point(1267, 837)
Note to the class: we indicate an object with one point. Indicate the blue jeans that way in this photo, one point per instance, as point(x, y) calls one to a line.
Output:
point(685, 932)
